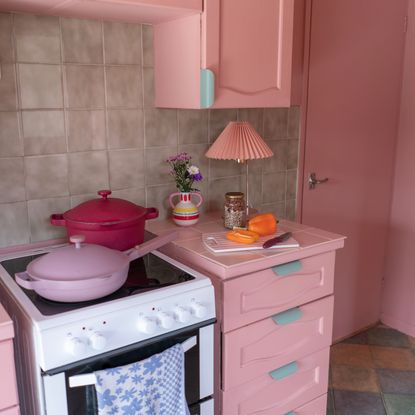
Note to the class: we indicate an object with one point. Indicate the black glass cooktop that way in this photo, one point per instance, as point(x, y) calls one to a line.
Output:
point(146, 273)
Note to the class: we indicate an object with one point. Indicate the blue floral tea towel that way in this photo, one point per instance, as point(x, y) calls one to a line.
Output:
point(154, 386)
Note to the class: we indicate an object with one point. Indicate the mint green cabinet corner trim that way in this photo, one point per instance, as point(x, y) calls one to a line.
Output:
point(287, 317)
point(284, 371)
point(207, 88)
point(291, 413)
point(287, 269)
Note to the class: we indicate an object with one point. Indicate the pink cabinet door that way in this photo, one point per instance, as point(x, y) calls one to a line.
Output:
point(249, 48)
point(276, 341)
point(282, 390)
point(8, 391)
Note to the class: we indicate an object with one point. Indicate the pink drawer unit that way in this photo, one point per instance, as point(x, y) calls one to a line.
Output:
point(278, 391)
point(262, 294)
point(8, 390)
point(275, 341)
point(8, 387)
point(316, 407)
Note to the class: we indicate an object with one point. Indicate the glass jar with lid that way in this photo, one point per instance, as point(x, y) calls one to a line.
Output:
point(234, 210)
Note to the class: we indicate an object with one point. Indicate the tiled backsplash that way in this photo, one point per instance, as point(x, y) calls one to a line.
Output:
point(77, 115)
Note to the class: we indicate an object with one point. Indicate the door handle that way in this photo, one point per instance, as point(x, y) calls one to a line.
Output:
point(313, 181)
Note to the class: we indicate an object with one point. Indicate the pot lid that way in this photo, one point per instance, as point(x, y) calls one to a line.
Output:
point(105, 210)
point(78, 262)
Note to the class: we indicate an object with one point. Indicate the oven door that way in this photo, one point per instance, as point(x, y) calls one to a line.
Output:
point(70, 390)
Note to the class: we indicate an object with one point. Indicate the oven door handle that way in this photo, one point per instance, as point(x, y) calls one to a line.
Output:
point(90, 379)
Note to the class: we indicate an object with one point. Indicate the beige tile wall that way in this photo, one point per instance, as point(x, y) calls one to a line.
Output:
point(77, 115)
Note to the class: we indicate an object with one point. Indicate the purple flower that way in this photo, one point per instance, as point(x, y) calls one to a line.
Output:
point(179, 157)
point(197, 177)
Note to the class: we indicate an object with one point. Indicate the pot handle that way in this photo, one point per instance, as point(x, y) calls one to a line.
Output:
point(24, 280)
point(151, 245)
point(152, 213)
point(197, 194)
point(57, 219)
point(171, 199)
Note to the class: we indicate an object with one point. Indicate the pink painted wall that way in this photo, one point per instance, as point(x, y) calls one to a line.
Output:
point(398, 306)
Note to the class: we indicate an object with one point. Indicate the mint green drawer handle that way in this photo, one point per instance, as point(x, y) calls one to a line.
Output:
point(287, 269)
point(207, 88)
point(284, 371)
point(287, 317)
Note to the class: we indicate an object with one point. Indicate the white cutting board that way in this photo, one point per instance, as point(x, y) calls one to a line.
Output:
point(217, 242)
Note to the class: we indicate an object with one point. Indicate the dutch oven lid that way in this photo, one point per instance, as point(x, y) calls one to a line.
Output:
point(105, 211)
point(78, 262)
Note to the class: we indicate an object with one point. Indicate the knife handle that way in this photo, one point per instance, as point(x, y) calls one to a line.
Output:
point(276, 240)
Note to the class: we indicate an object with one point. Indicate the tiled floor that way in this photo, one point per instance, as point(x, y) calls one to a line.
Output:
point(373, 373)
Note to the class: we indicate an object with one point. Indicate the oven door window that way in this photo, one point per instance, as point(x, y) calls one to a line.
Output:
point(82, 399)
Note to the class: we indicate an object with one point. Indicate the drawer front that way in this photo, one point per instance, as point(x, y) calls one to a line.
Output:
point(279, 391)
point(8, 391)
point(316, 407)
point(262, 294)
point(262, 346)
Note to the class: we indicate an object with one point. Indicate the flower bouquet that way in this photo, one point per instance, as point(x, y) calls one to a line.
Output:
point(185, 173)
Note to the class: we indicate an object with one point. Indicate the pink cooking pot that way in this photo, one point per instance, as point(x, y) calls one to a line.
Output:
point(111, 222)
point(83, 272)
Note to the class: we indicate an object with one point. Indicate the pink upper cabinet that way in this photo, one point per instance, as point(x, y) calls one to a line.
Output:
point(143, 11)
point(246, 48)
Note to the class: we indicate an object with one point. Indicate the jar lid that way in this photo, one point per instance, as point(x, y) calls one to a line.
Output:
point(234, 195)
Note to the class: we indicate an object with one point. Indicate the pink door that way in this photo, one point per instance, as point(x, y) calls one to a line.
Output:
point(355, 70)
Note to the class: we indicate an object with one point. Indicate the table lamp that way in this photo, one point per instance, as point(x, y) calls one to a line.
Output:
point(239, 141)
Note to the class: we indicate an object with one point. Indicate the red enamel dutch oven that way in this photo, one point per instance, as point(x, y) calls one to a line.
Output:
point(111, 222)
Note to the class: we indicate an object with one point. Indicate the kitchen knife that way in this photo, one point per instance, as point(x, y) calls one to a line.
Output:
point(276, 240)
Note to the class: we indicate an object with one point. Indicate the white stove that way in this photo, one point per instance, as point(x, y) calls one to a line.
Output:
point(162, 303)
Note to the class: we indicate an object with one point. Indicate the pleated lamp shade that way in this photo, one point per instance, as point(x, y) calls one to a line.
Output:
point(239, 141)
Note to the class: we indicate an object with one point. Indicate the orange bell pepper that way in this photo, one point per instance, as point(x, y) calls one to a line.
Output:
point(242, 236)
point(263, 224)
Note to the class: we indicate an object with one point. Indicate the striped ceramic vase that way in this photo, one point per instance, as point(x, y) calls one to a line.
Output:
point(185, 213)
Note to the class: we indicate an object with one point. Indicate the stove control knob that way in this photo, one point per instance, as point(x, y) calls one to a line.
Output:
point(165, 320)
point(182, 314)
point(198, 310)
point(76, 346)
point(147, 325)
point(97, 340)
